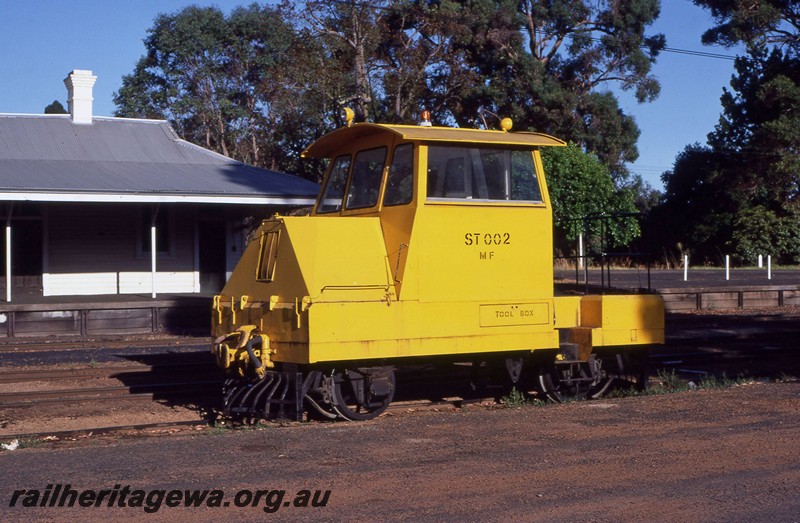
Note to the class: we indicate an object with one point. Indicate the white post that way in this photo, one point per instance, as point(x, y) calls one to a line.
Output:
point(769, 266)
point(727, 267)
point(580, 250)
point(8, 262)
point(153, 258)
point(685, 267)
point(760, 261)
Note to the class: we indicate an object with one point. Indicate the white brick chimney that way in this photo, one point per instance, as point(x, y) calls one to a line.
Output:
point(79, 95)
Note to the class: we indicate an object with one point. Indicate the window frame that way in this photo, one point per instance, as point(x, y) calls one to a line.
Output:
point(268, 256)
point(320, 203)
point(389, 176)
point(471, 153)
point(351, 178)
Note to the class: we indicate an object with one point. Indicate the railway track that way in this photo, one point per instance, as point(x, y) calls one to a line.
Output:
point(758, 344)
point(19, 346)
point(31, 398)
point(147, 392)
point(111, 371)
point(125, 382)
point(762, 345)
point(97, 431)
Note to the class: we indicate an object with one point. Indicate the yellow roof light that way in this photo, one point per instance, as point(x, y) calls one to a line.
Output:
point(348, 115)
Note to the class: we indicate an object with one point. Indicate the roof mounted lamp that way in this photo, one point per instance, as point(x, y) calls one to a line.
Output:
point(506, 124)
point(425, 118)
point(348, 115)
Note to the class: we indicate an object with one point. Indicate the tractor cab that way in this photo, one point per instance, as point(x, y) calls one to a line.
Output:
point(376, 166)
point(457, 207)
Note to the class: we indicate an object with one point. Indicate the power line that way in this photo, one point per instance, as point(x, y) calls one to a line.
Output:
point(702, 54)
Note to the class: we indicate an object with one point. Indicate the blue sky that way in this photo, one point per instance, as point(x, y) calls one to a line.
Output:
point(41, 41)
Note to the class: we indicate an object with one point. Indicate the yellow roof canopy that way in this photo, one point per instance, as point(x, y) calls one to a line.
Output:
point(328, 145)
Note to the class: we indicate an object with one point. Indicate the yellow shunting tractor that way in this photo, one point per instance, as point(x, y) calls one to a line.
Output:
point(424, 242)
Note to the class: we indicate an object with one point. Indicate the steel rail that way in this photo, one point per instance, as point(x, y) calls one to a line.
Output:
point(93, 431)
point(111, 372)
point(148, 391)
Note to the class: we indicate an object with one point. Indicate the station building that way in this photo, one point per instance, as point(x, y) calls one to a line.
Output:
point(110, 219)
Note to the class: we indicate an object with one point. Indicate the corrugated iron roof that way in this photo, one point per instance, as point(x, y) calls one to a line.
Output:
point(48, 153)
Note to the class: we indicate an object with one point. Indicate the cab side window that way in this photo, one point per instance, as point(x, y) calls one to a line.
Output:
point(334, 190)
point(400, 182)
point(477, 173)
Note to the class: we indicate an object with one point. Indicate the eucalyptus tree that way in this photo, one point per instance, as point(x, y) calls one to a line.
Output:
point(349, 34)
point(757, 23)
point(548, 65)
point(234, 84)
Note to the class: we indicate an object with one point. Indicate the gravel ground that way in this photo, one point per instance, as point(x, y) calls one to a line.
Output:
point(714, 455)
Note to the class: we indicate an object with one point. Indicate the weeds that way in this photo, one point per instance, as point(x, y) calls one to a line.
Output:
point(670, 382)
point(227, 426)
point(722, 382)
point(516, 398)
point(31, 443)
point(22, 443)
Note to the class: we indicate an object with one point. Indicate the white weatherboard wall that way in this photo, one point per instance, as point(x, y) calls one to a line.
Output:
point(141, 282)
point(96, 249)
point(82, 284)
point(87, 284)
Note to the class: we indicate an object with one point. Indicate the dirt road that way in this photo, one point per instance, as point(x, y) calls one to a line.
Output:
point(713, 455)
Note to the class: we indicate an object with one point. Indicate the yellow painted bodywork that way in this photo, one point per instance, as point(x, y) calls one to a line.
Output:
point(430, 277)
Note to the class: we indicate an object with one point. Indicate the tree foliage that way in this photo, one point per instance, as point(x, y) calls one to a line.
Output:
point(758, 230)
point(232, 84)
point(348, 33)
point(263, 82)
point(696, 212)
point(580, 186)
point(757, 23)
point(543, 63)
point(55, 108)
point(727, 195)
